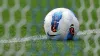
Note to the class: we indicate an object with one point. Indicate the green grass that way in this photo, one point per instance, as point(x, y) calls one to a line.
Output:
point(34, 26)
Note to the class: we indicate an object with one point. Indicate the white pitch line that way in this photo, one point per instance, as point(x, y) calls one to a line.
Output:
point(86, 32)
point(23, 39)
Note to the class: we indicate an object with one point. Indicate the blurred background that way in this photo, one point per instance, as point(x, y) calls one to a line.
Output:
point(20, 19)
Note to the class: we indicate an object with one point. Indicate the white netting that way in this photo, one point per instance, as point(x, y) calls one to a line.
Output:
point(26, 31)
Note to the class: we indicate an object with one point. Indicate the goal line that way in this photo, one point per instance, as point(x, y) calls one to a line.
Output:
point(40, 37)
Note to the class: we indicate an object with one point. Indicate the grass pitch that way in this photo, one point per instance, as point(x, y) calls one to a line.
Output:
point(34, 26)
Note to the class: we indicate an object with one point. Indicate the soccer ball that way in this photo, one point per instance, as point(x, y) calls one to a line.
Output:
point(61, 23)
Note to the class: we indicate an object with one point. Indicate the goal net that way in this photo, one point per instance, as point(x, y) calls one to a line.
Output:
point(22, 34)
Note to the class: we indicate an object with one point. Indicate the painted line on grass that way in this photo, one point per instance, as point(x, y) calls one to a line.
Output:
point(34, 38)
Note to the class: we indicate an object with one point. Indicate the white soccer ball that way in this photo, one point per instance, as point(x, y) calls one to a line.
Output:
point(59, 21)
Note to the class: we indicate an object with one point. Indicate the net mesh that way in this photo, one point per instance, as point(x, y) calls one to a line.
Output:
point(22, 34)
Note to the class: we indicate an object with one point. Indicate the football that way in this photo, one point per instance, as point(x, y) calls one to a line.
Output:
point(61, 24)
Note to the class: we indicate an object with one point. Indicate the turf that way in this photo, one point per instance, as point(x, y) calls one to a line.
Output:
point(34, 26)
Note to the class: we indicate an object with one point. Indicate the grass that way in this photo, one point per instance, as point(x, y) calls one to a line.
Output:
point(47, 47)
point(34, 26)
